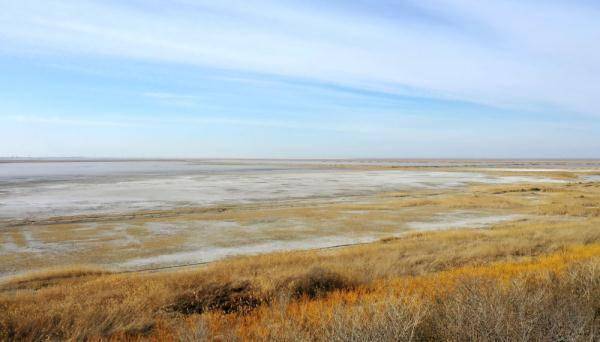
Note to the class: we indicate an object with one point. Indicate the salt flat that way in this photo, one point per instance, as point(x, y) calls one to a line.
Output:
point(135, 215)
point(42, 190)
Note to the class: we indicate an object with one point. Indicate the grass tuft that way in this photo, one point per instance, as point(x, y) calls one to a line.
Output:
point(317, 282)
point(226, 297)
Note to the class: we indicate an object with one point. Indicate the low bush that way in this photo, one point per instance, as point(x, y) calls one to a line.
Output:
point(227, 297)
point(316, 282)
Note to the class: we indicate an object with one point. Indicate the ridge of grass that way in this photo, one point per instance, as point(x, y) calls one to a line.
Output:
point(362, 283)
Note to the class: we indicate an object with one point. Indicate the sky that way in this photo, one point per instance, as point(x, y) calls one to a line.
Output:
point(300, 79)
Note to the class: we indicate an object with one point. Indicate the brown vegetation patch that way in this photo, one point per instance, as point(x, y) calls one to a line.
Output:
point(317, 282)
point(226, 297)
point(532, 189)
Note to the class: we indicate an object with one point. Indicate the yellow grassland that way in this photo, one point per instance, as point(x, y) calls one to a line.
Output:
point(536, 278)
point(409, 277)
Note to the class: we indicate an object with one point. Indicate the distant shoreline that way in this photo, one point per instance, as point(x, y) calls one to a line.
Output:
point(336, 160)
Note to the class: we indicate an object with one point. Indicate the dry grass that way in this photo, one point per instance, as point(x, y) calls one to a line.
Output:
point(549, 298)
point(51, 276)
point(545, 301)
point(315, 283)
point(226, 297)
point(532, 279)
point(375, 291)
point(130, 237)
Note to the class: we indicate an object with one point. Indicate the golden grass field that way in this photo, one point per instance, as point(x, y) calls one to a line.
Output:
point(532, 278)
point(115, 239)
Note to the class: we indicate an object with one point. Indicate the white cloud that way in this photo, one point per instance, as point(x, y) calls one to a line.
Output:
point(144, 121)
point(520, 54)
point(55, 120)
point(173, 99)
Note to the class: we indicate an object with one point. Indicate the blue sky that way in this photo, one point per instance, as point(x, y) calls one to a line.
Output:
point(300, 79)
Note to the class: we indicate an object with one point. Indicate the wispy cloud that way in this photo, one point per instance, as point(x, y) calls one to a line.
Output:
point(179, 100)
point(506, 53)
point(62, 121)
point(141, 121)
point(288, 76)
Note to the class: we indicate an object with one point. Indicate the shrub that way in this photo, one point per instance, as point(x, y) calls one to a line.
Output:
point(227, 297)
point(561, 308)
point(317, 282)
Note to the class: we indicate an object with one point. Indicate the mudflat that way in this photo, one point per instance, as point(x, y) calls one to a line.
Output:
point(130, 215)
